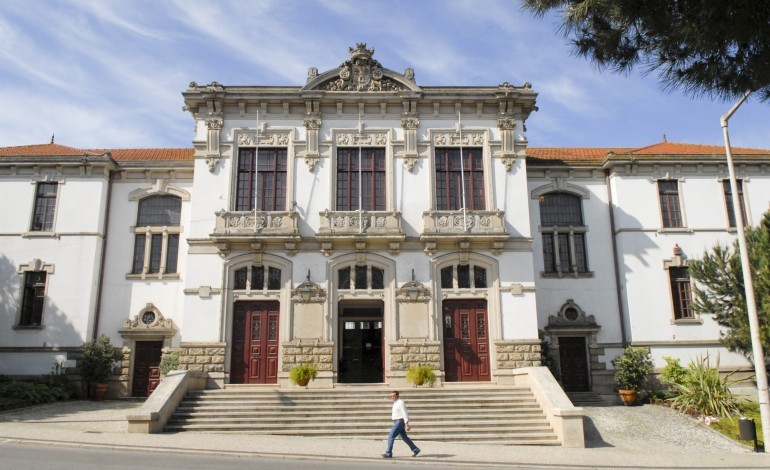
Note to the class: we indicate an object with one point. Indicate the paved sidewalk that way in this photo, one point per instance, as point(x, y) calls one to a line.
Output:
point(616, 437)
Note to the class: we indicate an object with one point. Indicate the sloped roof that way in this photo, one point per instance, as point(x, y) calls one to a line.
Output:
point(152, 154)
point(661, 149)
point(45, 150)
point(675, 148)
point(56, 150)
point(574, 153)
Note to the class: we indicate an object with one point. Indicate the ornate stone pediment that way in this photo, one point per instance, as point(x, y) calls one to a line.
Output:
point(361, 73)
point(572, 316)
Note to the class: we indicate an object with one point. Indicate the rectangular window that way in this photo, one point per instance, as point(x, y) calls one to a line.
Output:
point(33, 298)
point(670, 210)
point(570, 257)
point(451, 171)
point(681, 293)
point(156, 253)
point(45, 207)
point(729, 202)
point(264, 177)
point(369, 194)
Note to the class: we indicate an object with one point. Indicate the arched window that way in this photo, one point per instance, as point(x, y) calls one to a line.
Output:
point(156, 242)
point(564, 233)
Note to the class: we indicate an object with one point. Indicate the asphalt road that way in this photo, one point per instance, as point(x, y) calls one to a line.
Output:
point(40, 457)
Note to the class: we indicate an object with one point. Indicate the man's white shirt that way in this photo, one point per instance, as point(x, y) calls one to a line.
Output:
point(399, 411)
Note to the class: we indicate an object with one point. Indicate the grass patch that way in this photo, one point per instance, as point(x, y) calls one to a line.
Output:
point(729, 426)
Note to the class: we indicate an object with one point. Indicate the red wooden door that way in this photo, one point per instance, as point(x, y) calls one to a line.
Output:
point(146, 371)
point(254, 357)
point(466, 340)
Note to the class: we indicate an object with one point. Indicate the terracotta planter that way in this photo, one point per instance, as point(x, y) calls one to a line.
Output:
point(303, 382)
point(100, 391)
point(628, 396)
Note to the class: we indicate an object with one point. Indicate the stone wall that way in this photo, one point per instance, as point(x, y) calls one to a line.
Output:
point(517, 354)
point(202, 357)
point(317, 353)
point(405, 355)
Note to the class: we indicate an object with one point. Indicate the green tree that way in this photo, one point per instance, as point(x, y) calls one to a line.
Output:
point(715, 48)
point(719, 288)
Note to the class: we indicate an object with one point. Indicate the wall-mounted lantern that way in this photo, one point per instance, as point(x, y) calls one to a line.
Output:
point(413, 291)
point(308, 291)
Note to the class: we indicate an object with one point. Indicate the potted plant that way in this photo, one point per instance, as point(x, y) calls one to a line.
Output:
point(419, 375)
point(631, 371)
point(302, 374)
point(96, 364)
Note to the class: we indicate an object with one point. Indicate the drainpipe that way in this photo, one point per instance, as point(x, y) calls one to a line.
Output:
point(621, 316)
point(103, 261)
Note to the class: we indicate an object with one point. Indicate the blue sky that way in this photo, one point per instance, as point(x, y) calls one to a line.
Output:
point(109, 74)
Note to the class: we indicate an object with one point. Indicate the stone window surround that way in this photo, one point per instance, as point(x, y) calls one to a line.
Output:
point(678, 260)
point(560, 184)
point(160, 187)
point(275, 137)
point(471, 137)
point(45, 177)
point(667, 176)
point(33, 265)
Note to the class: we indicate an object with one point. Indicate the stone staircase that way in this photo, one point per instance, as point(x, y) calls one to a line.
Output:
point(469, 414)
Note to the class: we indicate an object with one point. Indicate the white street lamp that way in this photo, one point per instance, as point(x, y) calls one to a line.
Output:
point(748, 283)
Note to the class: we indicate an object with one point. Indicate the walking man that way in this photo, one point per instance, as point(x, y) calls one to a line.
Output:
point(400, 426)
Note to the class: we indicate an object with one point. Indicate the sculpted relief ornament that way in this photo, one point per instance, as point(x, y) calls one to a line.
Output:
point(362, 73)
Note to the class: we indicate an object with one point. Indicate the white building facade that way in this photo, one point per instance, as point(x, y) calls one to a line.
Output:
point(365, 224)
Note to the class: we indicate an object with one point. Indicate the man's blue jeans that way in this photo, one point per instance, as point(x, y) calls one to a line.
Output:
point(399, 429)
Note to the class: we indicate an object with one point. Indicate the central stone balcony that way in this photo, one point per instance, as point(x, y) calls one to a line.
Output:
point(359, 230)
point(256, 228)
point(464, 230)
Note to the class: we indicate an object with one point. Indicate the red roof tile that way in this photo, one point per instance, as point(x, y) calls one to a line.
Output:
point(567, 153)
point(171, 154)
point(56, 150)
point(674, 148)
point(44, 150)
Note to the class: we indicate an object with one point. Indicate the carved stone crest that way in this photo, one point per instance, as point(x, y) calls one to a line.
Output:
point(362, 73)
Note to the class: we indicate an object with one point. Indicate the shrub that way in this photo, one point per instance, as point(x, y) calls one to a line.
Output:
point(98, 359)
point(673, 373)
point(704, 392)
point(419, 375)
point(632, 368)
point(303, 373)
point(169, 362)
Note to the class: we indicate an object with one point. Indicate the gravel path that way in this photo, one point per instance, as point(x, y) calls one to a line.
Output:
point(654, 427)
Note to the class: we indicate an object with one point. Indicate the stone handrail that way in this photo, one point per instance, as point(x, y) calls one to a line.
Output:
point(273, 223)
point(360, 222)
point(566, 418)
point(457, 223)
point(153, 415)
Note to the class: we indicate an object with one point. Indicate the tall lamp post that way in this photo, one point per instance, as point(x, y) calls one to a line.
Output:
point(748, 283)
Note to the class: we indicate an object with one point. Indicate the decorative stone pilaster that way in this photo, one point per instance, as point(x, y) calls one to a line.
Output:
point(515, 354)
point(410, 125)
point(312, 154)
point(212, 143)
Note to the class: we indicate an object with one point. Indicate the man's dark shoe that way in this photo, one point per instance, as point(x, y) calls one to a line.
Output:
point(386, 456)
point(416, 452)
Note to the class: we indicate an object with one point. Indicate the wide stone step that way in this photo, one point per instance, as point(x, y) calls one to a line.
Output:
point(499, 415)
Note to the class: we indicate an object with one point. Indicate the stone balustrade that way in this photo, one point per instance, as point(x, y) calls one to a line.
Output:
point(459, 223)
point(240, 223)
point(360, 223)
